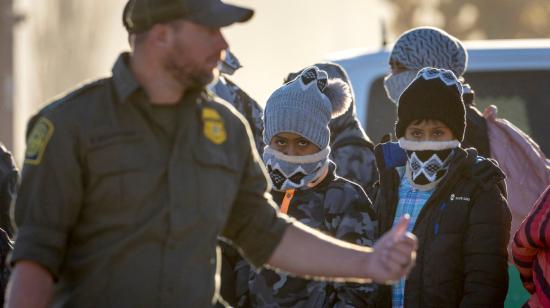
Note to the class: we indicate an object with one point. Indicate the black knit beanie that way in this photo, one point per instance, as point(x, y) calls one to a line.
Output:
point(434, 94)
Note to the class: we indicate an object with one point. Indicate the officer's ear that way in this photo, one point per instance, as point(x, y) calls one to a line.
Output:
point(132, 40)
point(162, 35)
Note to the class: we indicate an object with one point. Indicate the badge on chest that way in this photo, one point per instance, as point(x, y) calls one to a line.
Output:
point(213, 126)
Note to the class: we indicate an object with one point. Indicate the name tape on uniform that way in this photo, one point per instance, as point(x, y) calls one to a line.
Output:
point(213, 126)
point(39, 137)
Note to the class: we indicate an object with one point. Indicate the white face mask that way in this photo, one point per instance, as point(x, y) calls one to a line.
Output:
point(290, 172)
point(395, 84)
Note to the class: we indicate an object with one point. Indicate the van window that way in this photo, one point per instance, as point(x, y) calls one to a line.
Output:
point(521, 97)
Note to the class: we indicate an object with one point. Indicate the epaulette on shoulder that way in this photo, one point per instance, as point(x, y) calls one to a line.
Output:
point(212, 98)
point(214, 101)
point(73, 95)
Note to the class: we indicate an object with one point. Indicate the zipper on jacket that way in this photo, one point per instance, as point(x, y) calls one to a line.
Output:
point(443, 189)
point(442, 207)
point(289, 194)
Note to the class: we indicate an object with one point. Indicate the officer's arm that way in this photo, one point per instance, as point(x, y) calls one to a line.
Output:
point(27, 276)
point(47, 207)
point(307, 252)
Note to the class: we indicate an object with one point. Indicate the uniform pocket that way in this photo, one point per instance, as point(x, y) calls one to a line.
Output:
point(217, 182)
point(115, 170)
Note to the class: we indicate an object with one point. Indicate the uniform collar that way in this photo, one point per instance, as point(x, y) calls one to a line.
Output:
point(126, 83)
point(124, 79)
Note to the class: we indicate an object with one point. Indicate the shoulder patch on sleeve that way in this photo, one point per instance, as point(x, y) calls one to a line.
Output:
point(39, 137)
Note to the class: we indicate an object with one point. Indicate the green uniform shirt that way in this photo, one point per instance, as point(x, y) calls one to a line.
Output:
point(124, 217)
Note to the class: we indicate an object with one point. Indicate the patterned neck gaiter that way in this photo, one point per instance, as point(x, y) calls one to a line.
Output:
point(428, 161)
point(428, 166)
point(294, 172)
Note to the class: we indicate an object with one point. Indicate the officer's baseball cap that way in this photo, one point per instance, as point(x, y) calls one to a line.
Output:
point(141, 15)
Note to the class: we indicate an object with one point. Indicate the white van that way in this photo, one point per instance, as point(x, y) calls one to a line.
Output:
point(512, 74)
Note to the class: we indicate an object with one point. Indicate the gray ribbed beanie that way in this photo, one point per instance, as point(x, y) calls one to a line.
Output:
point(305, 106)
point(430, 47)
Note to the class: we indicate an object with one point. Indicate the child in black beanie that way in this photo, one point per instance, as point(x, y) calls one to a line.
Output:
point(456, 200)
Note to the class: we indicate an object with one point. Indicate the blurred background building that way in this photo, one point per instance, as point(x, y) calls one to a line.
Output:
point(7, 22)
point(59, 44)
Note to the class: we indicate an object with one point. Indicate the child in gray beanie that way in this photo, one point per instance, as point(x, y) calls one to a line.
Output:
point(351, 149)
point(306, 188)
point(304, 107)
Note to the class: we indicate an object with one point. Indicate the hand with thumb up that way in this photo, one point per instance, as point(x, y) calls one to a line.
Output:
point(393, 254)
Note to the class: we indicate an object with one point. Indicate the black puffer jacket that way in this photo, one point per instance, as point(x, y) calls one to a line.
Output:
point(462, 232)
point(8, 188)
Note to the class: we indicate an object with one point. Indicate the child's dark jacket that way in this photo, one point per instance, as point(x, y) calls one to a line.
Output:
point(462, 232)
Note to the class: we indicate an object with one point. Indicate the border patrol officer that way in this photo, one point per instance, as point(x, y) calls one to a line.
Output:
point(129, 180)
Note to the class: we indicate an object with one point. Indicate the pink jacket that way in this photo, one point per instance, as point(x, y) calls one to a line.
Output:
point(520, 158)
point(531, 248)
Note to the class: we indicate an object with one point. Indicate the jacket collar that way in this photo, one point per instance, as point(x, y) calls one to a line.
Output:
point(124, 80)
point(390, 155)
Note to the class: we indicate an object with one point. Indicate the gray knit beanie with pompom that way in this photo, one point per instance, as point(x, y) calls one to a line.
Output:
point(305, 106)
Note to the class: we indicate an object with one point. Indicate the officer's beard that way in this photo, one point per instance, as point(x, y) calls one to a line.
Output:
point(189, 76)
